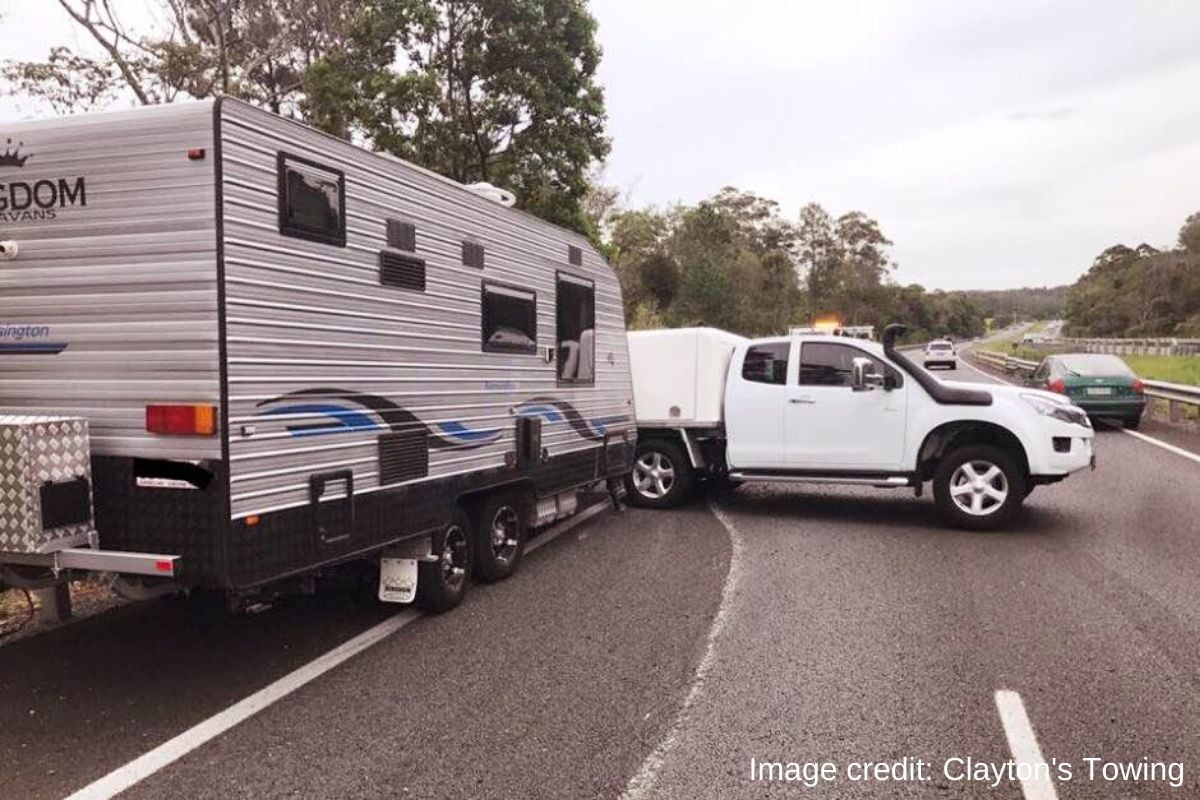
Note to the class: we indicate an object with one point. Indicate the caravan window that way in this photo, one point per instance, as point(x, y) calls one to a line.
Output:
point(576, 330)
point(509, 319)
point(312, 201)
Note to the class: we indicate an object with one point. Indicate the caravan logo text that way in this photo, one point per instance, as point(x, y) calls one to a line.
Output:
point(22, 201)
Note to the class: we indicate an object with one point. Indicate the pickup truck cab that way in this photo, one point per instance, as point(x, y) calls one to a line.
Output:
point(817, 408)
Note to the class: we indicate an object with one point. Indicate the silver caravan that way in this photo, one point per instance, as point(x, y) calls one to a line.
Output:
point(286, 353)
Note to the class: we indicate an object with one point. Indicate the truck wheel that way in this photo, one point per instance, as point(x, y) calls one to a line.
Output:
point(499, 537)
point(979, 487)
point(662, 475)
point(442, 584)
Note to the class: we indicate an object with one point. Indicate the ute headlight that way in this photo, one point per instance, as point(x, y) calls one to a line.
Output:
point(1073, 415)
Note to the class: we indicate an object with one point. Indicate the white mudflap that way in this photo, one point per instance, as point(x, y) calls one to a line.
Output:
point(397, 580)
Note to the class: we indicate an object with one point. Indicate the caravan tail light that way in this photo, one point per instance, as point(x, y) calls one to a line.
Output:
point(175, 420)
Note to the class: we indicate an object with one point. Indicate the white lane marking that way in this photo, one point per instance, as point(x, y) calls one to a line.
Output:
point(174, 749)
point(986, 374)
point(1179, 451)
point(1170, 448)
point(642, 784)
point(1023, 745)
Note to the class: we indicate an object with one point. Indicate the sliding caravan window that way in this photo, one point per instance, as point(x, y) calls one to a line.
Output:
point(312, 201)
point(576, 330)
point(509, 319)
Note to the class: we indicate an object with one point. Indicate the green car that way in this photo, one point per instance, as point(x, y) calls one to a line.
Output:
point(1102, 385)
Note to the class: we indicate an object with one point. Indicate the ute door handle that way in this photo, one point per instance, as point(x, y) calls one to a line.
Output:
point(802, 400)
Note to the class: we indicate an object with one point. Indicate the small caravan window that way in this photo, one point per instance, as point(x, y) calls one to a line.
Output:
point(766, 363)
point(312, 201)
point(509, 319)
point(576, 330)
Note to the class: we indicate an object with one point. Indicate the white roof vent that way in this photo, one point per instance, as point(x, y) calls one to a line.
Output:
point(494, 193)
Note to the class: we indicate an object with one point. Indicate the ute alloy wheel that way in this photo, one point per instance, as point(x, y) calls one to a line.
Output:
point(442, 584)
point(662, 476)
point(654, 475)
point(499, 537)
point(979, 487)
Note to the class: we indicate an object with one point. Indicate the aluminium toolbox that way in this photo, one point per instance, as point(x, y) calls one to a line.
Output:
point(45, 484)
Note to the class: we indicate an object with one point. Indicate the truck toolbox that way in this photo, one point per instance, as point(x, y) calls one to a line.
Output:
point(45, 484)
point(679, 375)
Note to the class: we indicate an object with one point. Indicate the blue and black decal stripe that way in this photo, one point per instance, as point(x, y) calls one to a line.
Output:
point(331, 404)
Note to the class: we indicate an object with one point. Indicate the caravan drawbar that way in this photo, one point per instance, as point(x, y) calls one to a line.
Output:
point(236, 350)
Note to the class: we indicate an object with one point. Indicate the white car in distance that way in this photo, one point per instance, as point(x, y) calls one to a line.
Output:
point(941, 353)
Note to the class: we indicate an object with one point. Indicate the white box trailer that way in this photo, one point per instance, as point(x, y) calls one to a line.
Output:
point(292, 352)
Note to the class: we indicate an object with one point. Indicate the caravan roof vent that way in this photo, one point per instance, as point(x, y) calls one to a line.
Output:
point(494, 193)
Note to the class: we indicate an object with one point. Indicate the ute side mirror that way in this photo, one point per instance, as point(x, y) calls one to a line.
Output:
point(863, 377)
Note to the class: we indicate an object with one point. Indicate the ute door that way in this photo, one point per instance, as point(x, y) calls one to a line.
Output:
point(830, 426)
point(754, 400)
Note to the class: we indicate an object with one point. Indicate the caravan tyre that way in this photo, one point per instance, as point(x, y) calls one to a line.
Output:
point(442, 584)
point(662, 476)
point(499, 536)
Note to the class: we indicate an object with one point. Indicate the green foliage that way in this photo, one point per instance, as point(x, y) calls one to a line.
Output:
point(1007, 306)
point(732, 261)
point(502, 91)
point(1131, 292)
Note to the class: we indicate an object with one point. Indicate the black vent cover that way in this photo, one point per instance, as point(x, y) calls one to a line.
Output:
point(472, 254)
point(403, 457)
point(402, 235)
point(402, 271)
point(575, 256)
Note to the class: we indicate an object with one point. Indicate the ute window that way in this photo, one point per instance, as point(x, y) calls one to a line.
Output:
point(509, 319)
point(312, 201)
point(766, 363)
point(576, 303)
point(824, 364)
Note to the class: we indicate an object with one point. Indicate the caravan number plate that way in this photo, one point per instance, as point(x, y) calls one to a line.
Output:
point(397, 580)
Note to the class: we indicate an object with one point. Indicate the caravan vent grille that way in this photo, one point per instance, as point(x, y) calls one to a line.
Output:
point(575, 256)
point(472, 254)
point(402, 271)
point(402, 235)
point(403, 456)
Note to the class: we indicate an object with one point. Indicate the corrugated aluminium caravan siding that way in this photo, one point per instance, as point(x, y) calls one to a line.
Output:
point(305, 316)
point(112, 301)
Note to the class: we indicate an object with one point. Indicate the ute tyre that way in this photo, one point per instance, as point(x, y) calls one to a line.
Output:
point(979, 487)
point(662, 471)
point(500, 533)
point(1132, 423)
point(442, 584)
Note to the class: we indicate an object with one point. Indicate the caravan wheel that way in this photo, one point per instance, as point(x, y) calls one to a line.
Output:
point(499, 537)
point(442, 584)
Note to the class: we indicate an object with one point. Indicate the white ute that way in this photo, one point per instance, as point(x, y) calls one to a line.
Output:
point(814, 408)
point(941, 353)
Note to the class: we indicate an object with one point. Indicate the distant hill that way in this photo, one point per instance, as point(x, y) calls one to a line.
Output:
point(1045, 302)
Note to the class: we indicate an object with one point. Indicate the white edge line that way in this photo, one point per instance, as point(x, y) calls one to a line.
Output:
point(1023, 745)
point(642, 784)
point(1179, 451)
point(142, 767)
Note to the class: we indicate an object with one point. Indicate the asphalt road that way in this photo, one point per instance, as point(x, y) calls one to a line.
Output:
point(656, 653)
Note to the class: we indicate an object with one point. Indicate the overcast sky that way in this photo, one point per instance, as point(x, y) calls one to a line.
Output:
point(999, 145)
